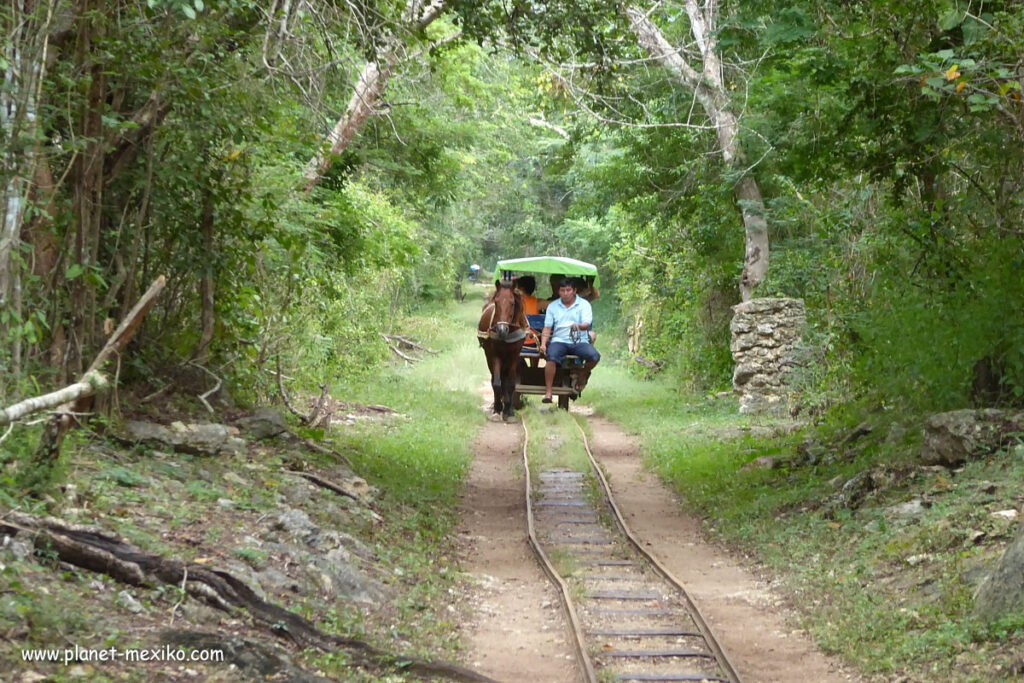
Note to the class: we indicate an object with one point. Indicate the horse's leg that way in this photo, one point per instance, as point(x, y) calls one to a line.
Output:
point(508, 386)
point(511, 378)
point(489, 357)
point(496, 380)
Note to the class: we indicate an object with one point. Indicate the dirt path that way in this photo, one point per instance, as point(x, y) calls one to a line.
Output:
point(517, 632)
point(749, 620)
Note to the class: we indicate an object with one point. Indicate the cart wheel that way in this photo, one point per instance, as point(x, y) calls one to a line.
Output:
point(563, 401)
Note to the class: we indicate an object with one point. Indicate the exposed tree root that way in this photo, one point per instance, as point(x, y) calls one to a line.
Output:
point(101, 551)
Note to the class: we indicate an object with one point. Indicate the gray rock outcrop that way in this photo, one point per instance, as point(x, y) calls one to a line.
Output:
point(197, 439)
point(1002, 591)
point(329, 559)
point(263, 424)
point(953, 438)
point(764, 336)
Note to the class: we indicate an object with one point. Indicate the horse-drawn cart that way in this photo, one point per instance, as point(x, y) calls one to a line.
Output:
point(531, 363)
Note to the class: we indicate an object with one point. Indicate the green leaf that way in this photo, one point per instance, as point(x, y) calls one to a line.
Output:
point(951, 19)
point(189, 12)
point(199, 5)
point(73, 271)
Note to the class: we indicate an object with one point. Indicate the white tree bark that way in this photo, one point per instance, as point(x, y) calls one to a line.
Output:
point(25, 55)
point(708, 87)
point(87, 386)
point(369, 88)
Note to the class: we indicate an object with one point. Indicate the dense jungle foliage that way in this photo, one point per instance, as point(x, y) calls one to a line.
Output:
point(175, 137)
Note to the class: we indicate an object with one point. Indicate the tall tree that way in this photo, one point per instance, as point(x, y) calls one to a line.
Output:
point(371, 85)
point(707, 83)
point(27, 25)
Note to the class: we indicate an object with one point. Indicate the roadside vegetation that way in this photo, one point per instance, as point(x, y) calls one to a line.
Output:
point(301, 181)
point(215, 511)
point(882, 575)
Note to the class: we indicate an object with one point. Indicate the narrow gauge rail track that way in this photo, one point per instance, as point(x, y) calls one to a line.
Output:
point(631, 620)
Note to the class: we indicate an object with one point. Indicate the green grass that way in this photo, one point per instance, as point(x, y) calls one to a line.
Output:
point(554, 441)
point(847, 570)
point(422, 458)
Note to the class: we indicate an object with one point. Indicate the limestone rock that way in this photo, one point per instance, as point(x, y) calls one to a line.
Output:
point(256, 660)
point(953, 438)
point(263, 424)
point(765, 333)
point(197, 439)
point(329, 558)
point(1002, 591)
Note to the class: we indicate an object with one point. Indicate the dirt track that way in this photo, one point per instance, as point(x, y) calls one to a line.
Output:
point(517, 633)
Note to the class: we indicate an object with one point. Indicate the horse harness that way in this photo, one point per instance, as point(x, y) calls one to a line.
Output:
point(489, 333)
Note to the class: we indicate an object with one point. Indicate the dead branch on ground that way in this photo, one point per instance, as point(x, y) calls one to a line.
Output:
point(202, 397)
point(340, 489)
point(409, 344)
point(398, 353)
point(648, 363)
point(323, 450)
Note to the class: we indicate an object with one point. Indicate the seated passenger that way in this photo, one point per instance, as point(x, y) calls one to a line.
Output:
point(587, 289)
point(553, 280)
point(565, 318)
point(526, 286)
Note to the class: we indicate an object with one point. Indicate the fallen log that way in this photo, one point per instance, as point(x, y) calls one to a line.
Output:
point(89, 385)
point(104, 552)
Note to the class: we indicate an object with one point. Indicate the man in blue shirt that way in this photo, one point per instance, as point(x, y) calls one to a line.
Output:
point(566, 323)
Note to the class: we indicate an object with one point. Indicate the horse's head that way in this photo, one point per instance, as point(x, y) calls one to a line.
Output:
point(507, 305)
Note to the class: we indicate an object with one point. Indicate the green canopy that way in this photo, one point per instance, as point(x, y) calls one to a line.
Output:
point(547, 264)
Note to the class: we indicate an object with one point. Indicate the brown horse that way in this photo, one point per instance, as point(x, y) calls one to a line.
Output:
point(502, 330)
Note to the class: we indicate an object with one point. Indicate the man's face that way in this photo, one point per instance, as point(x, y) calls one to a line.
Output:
point(567, 294)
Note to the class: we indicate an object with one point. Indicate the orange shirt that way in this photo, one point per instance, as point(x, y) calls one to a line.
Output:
point(530, 308)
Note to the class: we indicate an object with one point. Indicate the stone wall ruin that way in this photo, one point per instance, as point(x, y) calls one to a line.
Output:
point(765, 333)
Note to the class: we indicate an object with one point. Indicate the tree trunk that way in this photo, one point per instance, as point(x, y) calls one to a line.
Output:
point(708, 87)
point(206, 283)
point(369, 88)
point(24, 53)
point(87, 175)
point(371, 85)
